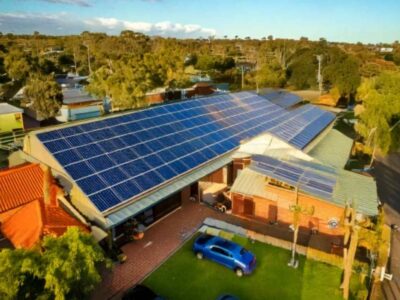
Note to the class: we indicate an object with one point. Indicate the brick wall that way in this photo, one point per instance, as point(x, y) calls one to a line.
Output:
point(280, 210)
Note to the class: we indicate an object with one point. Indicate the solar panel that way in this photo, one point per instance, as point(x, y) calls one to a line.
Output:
point(149, 147)
point(306, 177)
point(283, 99)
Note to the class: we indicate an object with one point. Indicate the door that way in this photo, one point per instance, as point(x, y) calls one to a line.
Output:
point(221, 256)
point(248, 207)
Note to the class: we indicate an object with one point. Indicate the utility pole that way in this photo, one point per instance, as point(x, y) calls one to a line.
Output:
point(88, 56)
point(242, 77)
point(319, 76)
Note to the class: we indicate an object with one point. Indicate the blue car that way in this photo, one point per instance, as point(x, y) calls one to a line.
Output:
point(226, 253)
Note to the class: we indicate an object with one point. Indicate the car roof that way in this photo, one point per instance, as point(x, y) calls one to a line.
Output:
point(226, 244)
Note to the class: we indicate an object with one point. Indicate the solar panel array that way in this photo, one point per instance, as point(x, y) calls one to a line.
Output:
point(283, 99)
point(316, 181)
point(119, 158)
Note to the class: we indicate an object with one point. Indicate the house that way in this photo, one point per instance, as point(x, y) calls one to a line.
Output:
point(200, 89)
point(30, 206)
point(79, 104)
point(11, 118)
point(269, 184)
point(143, 164)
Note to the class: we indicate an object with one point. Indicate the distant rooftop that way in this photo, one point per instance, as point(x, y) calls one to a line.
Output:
point(6, 108)
point(77, 95)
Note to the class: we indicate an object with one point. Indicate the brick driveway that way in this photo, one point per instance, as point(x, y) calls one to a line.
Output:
point(159, 242)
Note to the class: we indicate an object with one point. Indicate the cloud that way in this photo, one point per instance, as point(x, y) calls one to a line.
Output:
point(165, 28)
point(83, 3)
point(64, 23)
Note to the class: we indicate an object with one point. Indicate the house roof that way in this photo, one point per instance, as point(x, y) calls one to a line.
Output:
point(251, 183)
point(20, 185)
point(77, 95)
point(333, 150)
point(6, 108)
point(119, 159)
point(31, 222)
point(336, 186)
point(282, 98)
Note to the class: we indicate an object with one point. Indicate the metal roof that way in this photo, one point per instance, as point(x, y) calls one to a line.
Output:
point(360, 190)
point(251, 183)
point(77, 95)
point(6, 108)
point(144, 203)
point(349, 187)
point(333, 150)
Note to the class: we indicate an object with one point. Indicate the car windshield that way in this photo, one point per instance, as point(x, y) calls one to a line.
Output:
point(243, 251)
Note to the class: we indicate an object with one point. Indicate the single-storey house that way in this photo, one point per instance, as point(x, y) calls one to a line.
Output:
point(30, 206)
point(11, 118)
point(144, 164)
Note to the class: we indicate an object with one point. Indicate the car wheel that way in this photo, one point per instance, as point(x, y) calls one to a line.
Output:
point(239, 272)
point(199, 255)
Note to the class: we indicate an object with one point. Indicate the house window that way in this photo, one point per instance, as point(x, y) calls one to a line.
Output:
point(18, 117)
point(281, 184)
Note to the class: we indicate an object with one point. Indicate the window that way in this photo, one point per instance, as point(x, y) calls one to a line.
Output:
point(219, 251)
point(281, 184)
point(18, 117)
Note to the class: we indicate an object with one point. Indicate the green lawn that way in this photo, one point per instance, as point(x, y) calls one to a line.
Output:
point(184, 277)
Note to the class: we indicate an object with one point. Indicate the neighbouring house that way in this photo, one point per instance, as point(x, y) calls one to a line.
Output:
point(11, 118)
point(200, 89)
point(30, 206)
point(143, 164)
point(161, 95)
point(79, 104)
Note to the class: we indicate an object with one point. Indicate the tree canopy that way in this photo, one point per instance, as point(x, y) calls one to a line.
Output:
point(62, 268)
point(379, 119)
point(45, 95)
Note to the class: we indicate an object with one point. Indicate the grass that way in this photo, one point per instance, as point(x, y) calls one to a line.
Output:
point(184, 277)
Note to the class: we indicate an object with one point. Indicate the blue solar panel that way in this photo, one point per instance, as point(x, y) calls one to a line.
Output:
point(149, 147)
point(307, 177)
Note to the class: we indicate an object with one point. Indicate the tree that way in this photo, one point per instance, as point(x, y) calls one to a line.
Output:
point(379, 120)
point(298, 210)
point(71, 262)
point(21, 272)
point(344, 74)
point(17, 65)
point(64, 267)
point(270, 75)
point(45, 95)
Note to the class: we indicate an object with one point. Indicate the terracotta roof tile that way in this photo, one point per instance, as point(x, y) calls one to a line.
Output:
point(20, 185)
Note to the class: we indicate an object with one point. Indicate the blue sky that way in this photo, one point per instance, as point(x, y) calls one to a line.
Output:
point(337, 20)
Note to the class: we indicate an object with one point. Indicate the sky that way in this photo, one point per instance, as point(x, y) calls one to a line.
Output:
point(367, 21)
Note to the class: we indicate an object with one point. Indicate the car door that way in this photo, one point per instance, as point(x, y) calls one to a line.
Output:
point(221, 256)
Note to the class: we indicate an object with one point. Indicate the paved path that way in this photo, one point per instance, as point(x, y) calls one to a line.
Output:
point(160, 241)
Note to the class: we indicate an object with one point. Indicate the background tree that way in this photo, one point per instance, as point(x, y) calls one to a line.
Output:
point(17, 65)
point(45, 95)
point(270, 75)
point(379, 120)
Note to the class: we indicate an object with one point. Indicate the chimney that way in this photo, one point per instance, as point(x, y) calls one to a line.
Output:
point(47, 185)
